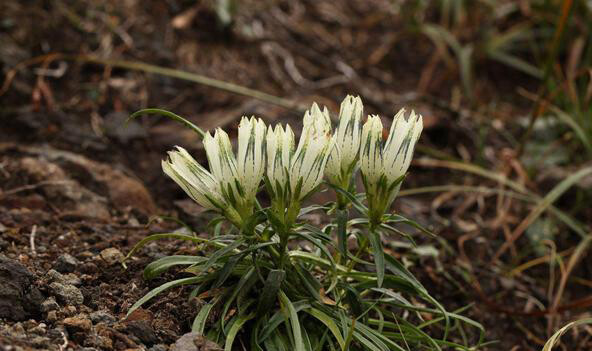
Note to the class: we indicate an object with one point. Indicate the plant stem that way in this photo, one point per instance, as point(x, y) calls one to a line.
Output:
point(283, 248)
point(361, 249)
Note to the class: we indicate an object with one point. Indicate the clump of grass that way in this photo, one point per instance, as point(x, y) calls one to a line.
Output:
point(277, 282)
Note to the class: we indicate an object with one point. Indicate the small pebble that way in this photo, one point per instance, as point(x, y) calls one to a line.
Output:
point(49, 305)
point(111, 256)
point(102, 317)
point(52, 316)
point(70, 310)
point(77, 324)
point(66, 263)
point(67, 294)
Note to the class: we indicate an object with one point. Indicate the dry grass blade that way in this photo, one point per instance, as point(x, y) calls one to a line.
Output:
point(553, 340)
point(502, 179)
point(551, 197)
point(573, 260)
point(193, 77)
point(169, 72)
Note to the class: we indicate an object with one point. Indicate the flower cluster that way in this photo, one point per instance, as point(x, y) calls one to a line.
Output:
point(384, 164)
point(291, 172)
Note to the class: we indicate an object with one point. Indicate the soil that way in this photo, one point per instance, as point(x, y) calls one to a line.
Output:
point(77, 189)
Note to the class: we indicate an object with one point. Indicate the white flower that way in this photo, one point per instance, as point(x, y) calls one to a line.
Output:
point(383, 165)
point(400, 144)
point(280, 147)
point(231, 184)
point(344, 155)
point(371, 151)
point(195, 180)
point(222, 163)
point(251, 156)
point(310, 158)
point(293, 174)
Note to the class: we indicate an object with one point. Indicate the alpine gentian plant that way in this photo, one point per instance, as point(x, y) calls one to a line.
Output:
point(313, 294)
point(384, 165)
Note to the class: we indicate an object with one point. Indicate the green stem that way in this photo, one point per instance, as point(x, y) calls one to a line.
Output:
point(361, 249)
point(283, 248)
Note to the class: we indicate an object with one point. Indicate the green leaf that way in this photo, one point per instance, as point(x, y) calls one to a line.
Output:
point(273, 282)
point(226, 271)
point(377, 338)
point(294, 322)
point(378, 253)
point(318, 244)
point(277, 319)
point(329, 323)
point(397, 268)
point(220, 253)
point(312, 285)
point(367, 343)
point(153, 237)
point(163, 287)
point(234, 329)
point(396, 218)
point(351, 197)
point(199, 323)
point(172, 219)
point(157, 111)
point(159, 266)
point(342, 216)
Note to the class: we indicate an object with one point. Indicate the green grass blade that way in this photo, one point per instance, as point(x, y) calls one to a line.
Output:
point(342, 232)
point(378, 254)
point(273, 282)
point(199, 323)
point(163, 287)
point(329, 323)
point(234, 329)
point(153, 237)
point(294, 322)
point(161, 265)
point(171, 115)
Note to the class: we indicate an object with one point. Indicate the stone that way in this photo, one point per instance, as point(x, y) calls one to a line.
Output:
point(143, 331)
point(66, 263)
point(102, 317)
point(67, 294)
point(49, 305)
point(39, 329)
point(194, 342)
point(68, 278)
point(19, 298)
point(159, 347)
point(40, 341)
point(112, 256)
point(78, 324)
point(70, 310)
point(52, 316)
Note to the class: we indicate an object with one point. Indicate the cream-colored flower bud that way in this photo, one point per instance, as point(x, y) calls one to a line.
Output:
point(280, 147)
point(384, 165)
point(399, 147)
point(251, 155)
point(195, 180)
point(344, 154)
point(309, 160)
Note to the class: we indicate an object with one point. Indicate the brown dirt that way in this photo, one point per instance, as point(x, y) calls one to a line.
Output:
point(73, 176)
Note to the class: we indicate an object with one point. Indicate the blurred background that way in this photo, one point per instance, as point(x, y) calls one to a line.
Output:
point(502, 175)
